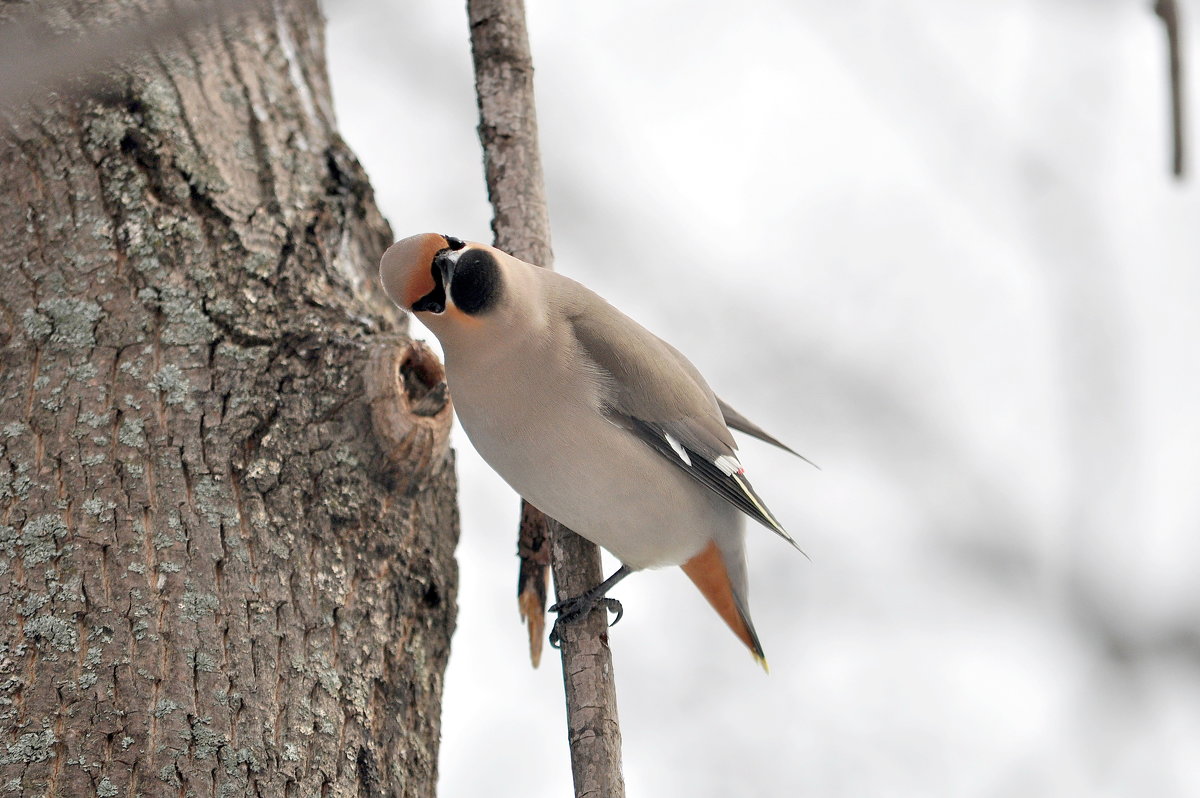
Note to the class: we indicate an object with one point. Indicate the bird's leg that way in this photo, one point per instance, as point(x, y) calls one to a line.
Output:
point(573, 609)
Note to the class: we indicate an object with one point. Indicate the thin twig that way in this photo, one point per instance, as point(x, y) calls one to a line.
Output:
point(521, 226)
point(1168, 12)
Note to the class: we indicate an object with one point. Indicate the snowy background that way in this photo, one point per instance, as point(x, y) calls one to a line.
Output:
point(934, 246)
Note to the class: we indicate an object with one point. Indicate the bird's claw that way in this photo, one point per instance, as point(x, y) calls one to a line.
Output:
point(571, 610)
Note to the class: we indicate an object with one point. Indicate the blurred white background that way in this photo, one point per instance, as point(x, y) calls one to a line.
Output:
point(934, 246)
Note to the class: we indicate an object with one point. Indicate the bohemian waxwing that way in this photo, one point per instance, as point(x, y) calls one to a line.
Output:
point(587, 415)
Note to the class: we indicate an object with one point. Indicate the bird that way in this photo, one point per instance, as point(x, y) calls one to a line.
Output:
point(590, 417)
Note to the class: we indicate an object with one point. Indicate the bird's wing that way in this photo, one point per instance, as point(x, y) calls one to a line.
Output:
point(737, 421)
point(658, 395)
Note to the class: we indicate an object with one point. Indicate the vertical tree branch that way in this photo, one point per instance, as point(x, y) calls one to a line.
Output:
point(1168, 12)
point(508, 129)
point(521, 226)
point(593, 728)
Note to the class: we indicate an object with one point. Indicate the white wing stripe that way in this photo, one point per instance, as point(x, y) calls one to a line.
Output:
point(729, 465)
point(677, 447)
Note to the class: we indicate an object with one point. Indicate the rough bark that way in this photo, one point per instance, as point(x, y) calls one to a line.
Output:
point(593, 725)
point(521, 224)
point(216, 578)
point(508, 129)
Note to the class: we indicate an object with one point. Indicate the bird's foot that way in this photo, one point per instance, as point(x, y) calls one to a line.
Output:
point(573, 609)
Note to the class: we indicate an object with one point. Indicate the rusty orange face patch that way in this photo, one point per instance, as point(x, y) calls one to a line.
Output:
point(406, 267)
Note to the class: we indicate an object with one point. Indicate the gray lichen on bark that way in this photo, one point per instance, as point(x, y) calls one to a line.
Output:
point(213, 580)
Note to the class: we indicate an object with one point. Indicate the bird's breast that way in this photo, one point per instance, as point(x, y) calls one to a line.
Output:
point(538, 423)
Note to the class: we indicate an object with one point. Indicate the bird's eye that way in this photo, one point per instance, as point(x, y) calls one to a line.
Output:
point(455, 243)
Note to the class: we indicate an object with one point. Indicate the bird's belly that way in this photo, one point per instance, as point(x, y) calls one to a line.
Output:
point(599, 480)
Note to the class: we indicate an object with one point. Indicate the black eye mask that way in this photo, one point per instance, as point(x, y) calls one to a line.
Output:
point(475, 284)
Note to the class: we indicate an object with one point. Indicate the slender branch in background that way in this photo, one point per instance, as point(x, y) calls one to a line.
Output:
point(36, 59)
point(521, 225)
point(1168, 12)
point(533, 549)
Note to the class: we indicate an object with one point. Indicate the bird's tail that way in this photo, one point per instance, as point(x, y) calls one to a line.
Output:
point(709, 571)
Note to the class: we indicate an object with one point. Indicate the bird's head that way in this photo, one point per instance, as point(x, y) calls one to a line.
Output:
point(432, 275)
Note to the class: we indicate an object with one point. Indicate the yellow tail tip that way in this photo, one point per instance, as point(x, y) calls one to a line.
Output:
point(761, 660)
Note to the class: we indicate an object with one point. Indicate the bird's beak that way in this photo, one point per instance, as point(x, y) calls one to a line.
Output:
point(443, 271)
point(444, 262)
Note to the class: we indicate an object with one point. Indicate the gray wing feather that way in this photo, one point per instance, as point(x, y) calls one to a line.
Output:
point(654, 392)
point(650, 380)
point(737, 421)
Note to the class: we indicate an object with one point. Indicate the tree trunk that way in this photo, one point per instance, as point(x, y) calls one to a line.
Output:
point(226, 563)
